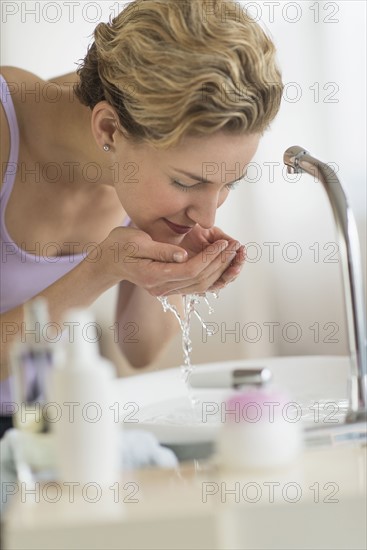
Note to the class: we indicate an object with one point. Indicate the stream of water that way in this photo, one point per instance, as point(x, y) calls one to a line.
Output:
point(190, 307)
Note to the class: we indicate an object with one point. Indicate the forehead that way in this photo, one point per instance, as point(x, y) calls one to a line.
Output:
point(219, 148)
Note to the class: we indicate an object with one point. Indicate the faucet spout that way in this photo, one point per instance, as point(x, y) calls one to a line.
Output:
point(299, 160)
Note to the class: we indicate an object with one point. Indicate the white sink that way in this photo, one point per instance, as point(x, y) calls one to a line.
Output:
point(160, 401)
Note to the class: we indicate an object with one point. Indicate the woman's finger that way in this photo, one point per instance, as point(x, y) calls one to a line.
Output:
point(233, 270)
point(199, 287)
point(217, 280)
point(193, 272)
point(194, 275)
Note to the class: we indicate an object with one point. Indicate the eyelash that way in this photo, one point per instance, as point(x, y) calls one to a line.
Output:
point(229, 186)
point(232, 186)
point(180, 185)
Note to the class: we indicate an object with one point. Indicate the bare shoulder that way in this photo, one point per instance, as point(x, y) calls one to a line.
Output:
point(17, 73)
point(33, 98)
point(19, 82)
point(25, 88)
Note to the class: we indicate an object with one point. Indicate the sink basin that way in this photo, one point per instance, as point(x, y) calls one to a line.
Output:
point(188, 420)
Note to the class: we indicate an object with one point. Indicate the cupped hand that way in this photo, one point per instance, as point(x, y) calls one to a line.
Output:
point(205, 260)
point(206, 243)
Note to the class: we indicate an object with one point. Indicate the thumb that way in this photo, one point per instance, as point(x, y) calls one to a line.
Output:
point(164, 252)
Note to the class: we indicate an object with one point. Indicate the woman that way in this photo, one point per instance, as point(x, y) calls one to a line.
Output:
point(117, 180)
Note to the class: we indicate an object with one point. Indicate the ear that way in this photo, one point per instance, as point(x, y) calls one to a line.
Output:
point(105, 125)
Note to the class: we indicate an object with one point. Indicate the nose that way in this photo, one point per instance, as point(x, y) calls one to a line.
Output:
point(204, 209)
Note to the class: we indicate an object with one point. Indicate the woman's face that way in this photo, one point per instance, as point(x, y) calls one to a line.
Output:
point(166, 193)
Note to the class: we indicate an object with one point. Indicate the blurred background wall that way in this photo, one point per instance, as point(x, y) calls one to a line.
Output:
point(288, 300)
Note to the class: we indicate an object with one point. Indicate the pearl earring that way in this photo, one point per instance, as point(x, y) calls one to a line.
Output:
point(106, 147)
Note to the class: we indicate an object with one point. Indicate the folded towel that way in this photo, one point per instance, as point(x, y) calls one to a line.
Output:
point(29, 457)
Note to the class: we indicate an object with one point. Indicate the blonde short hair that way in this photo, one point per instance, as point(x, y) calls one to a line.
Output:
point(177, 68)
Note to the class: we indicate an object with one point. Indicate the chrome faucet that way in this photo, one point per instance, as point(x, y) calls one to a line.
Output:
point(299, 160)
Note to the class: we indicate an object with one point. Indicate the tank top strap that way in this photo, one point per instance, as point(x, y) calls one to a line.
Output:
point(11, 169)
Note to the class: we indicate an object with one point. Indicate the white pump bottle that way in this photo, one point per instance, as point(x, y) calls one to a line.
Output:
point(86, 433)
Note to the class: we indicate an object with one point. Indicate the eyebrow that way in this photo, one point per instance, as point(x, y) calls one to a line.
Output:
point(200, 178)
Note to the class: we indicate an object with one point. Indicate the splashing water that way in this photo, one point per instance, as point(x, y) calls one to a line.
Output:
point(190, 301)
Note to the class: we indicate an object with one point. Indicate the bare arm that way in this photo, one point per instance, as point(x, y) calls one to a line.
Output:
point(154, 273)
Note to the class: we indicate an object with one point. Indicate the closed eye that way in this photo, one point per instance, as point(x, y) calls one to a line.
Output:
point(232, 185)
point(183, 187)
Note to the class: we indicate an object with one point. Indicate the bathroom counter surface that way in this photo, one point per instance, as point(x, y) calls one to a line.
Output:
point(318, 503)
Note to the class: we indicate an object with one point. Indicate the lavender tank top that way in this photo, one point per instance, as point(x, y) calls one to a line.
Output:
point(23, 275)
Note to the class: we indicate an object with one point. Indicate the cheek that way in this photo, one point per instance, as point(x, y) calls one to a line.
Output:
point(150, 200)
point(168, 202)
